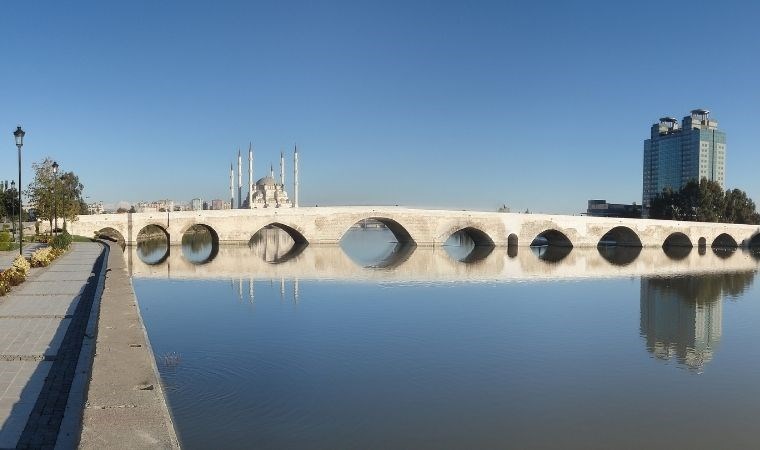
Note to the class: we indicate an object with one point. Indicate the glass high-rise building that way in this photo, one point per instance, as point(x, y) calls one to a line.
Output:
point(677, 153)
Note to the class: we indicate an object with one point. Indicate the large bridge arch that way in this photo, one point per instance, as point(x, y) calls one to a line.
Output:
point(296, 233)
point(402, 235)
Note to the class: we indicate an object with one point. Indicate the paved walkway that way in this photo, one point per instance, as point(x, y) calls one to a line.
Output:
point(42, 328)
point(7, 257)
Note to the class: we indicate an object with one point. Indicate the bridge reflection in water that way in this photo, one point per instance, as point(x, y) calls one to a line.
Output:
point(374, 255)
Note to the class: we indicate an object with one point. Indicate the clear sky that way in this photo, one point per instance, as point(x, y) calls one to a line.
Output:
point(539, 105)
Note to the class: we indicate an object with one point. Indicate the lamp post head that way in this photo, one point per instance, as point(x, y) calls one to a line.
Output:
point(19, 135)
point(55, 167)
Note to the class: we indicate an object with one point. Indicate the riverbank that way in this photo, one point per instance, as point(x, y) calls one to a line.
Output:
point(126, 406)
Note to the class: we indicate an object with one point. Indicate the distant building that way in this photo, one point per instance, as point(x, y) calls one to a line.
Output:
point(267, 192)
point(205, 206)
point(675, 155)
point(217, 204)
point(600, 208)
point(95, 208)
point(196, 204)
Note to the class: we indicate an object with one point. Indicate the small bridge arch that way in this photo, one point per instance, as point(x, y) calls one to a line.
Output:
point(677, 239)
point(551, 237)
point(724, 240)
point(620, 236)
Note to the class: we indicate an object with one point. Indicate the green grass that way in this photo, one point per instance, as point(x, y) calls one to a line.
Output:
point(77, 238)
point(8, 246)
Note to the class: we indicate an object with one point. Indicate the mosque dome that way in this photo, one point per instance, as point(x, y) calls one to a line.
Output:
point(266, 181)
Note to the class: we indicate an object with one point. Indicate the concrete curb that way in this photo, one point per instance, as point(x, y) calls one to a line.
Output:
point(126, 406)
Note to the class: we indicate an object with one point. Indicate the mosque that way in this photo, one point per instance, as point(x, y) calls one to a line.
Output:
point(266, 192)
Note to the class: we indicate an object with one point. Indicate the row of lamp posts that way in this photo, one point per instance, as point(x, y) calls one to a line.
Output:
point(19, 135)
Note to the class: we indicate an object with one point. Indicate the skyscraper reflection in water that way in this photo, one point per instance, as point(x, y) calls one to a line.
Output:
point(681, 317)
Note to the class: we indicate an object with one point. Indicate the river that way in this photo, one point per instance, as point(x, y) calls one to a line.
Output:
point(374, 345)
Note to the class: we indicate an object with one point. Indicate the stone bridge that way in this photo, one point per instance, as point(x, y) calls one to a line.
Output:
point(423, 227)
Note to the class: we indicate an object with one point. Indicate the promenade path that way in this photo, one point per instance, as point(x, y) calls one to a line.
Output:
point(42, 329)
point(7, 257)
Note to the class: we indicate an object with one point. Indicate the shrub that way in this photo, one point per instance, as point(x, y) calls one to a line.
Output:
point(41, 257)
point(61, 241)
point(5, 236)
point(41, 238)
point(21, 265)
point(4, 285)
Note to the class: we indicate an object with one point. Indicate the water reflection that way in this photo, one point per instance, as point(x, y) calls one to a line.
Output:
point(681, 317)
point(619, 255)
point(375, 247)
point(551, 253)
point(404, 263)
point(462, 247)
point(274, 245)
point(199, 245)
point(676, 252)
point(152, 245)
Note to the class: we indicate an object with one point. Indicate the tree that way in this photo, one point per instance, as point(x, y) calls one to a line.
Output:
point(53, 195)
point(69, 193)
point(41, 190)
point(704, 202)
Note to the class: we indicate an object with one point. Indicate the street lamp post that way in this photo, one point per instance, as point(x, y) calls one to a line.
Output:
point(13, 206)
point(19, 135)
point(55, 197)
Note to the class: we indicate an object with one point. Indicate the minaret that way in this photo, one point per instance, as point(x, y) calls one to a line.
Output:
point(271, 171)
point(250, 175)
point(282, 169)
point(240, 180)
point(232, 187)
point(295, 176)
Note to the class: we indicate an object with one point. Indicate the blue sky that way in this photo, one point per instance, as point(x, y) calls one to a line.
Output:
point(539, 105)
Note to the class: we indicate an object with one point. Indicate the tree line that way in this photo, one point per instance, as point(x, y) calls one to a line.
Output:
point(704, 201)
point(50, 194)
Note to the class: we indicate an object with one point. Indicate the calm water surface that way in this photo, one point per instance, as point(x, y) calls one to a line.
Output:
point(376, 345)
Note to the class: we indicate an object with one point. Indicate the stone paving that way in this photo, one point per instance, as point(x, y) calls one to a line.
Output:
point(7, 257)
point(42, 325)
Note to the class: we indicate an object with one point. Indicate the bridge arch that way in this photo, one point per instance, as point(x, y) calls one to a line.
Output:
point(153, 244)
point(702, 242)
point(478, 236)
point(552, 238)
point(620, 236)
point(724, 240)
point(677, 239)
point(200, 243)
point(401, 234)
point(111, 234)
point(754, 241)
point(477, 243)
point(294, 233)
